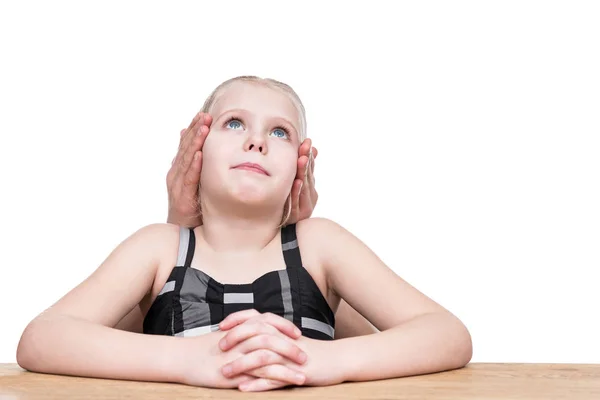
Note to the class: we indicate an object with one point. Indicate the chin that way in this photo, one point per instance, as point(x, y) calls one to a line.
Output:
point(250, 195)
point(250, 199)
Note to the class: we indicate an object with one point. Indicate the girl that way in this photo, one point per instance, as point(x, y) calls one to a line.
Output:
point(245, 300)
point(182, 187)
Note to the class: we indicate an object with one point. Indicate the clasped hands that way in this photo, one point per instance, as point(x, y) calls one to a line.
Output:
point(258, 352)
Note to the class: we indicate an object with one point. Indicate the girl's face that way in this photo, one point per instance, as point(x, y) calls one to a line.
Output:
point(250, 155)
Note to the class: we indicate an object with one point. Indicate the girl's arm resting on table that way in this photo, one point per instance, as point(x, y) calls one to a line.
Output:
point(76, 336)
point(428, 343)
point(66, 345)
point(417, 334)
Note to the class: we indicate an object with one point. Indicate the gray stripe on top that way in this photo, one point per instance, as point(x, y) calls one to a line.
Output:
point(286, 295)
point(198, 331)
point(290, 245)
point(233, 298)
point(184, 240)
point(169, 286)
point(192, 297)
point(315, 325)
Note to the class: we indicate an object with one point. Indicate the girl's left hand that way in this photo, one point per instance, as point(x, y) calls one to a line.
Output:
point(320, 369)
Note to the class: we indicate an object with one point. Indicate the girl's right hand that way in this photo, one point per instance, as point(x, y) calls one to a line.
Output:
point(203, 358)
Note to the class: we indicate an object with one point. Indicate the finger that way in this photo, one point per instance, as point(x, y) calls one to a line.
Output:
point(261, 385)
point(256, 359)
point(315, 152)
point(181, 133)
point(310, 173)
point(241, 379)
point(304, 148)
point(196, 118)
point(207, 120)
point(184, 133)
point(243, 332)
point(307, 198)
point(189, 135)
point(295, 195)
point(192, 177)
point(183, 146)
point(296, 190)
point(194, 145)
point(246, 331)
point(237, 318)
point(174, 170)
point(280, 345)
point(301, 171)
point(279, 373)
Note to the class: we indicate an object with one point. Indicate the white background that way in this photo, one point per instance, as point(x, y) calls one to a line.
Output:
point(459, 140)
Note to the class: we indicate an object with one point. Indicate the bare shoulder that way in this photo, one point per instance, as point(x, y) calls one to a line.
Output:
point(317, 225)
point(163, 240)
point(161, 234)
point(310, 232)
point(321, 233)
point(158, 243)
point(158, 240)
point(320, 239)
point(158, 231)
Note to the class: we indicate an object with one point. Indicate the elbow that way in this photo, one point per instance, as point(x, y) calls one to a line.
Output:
point(28, 355)
point(462, 344)
point(25, 351)
point(465, 351)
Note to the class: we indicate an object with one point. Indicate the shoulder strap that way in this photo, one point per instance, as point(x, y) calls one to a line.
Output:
point(289, 246)
point(187, 244)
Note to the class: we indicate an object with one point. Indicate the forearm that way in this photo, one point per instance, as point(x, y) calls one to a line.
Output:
point(426, 344)
point(68, 346)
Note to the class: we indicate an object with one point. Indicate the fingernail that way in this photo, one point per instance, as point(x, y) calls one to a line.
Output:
point(227, 370)
point(296, 330)
point(223, 344)
point(302, 357)
point(299, 378)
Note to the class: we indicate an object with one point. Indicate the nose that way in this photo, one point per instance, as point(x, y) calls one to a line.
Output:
point(256, 142)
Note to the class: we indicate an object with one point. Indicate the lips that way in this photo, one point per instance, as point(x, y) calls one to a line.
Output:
point(252, 167)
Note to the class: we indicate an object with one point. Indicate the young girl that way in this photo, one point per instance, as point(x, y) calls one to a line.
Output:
point(244, 300)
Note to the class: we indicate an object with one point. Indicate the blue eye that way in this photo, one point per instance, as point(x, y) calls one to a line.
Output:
point(281, 133)
point(234, 124)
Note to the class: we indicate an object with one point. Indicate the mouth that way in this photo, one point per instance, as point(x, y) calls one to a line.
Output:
point(253, 168)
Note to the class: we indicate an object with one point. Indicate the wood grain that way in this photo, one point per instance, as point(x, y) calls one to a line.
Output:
point(476, 381)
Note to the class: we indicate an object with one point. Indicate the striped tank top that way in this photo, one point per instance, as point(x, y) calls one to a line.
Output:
point(192, 303)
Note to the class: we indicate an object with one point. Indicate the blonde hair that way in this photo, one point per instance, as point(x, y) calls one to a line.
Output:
point(272, 84)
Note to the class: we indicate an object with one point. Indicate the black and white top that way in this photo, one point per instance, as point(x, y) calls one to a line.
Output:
point(192, 303)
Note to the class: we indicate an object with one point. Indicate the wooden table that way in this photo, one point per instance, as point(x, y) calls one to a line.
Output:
point(475, 381)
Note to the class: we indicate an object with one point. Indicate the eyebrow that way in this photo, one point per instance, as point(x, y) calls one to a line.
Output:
point(241, 111)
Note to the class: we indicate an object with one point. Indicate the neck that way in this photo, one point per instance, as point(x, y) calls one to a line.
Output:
point(238, 230)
